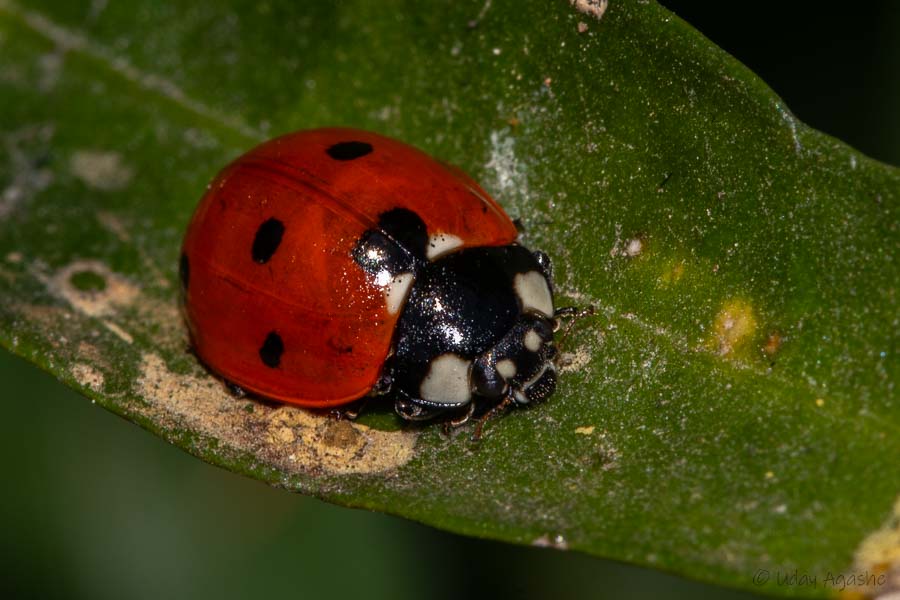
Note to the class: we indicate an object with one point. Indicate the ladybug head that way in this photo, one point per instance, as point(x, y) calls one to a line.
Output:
point(520, 364)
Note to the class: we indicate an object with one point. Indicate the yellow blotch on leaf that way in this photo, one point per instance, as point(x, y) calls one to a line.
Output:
point(672, 273)
point(733, 327)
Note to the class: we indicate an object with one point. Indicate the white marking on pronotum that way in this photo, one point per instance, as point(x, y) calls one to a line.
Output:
point(506, 368)
point(440, 244)
point(533, 291)
point(532, 341)
point(396, 291)
point(447, 381)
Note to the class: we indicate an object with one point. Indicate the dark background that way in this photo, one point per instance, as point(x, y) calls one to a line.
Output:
point(94, 507)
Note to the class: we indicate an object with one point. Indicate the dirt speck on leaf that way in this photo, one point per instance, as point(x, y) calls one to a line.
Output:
point(593, 8)
point(879, 555)
point(575, 360)
point(773, 343)
point(101, 170)
point(509, 178)
point(292, 439)
point(634, 247)
point(551, 541)
point(88, 376)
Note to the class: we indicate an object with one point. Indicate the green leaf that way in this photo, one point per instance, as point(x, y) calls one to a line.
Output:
point(730, 409)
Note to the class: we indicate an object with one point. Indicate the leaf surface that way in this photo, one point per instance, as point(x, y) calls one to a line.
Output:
point(732, 406)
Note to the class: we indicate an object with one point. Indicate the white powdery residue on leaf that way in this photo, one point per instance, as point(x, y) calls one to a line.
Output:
point(101, 170)
point(292, 439)
point(788, 117)
point(88, 376)
point(879, 556)
point(115, 292)
point(510, 183)
point(29, 178)
point(575, 360)
point(74, 41)
point(50, 66)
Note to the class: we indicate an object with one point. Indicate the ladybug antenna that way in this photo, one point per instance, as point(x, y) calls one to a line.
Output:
point(573, 314)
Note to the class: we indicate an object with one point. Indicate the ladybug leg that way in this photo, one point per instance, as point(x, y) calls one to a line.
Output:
point(451, 424)
point(410, 409)
point(349, 414)
point(235, 390)
point(465, 418)
point(497, 410)
point(384, 384)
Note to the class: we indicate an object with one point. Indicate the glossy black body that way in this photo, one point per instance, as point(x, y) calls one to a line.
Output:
point(464, 304)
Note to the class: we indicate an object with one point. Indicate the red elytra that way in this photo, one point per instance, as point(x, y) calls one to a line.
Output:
point(326, 188)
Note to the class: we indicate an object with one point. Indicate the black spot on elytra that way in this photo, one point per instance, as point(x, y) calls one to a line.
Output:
point(397, 245)
point(268, 238)
point(184, 271)
point(349, 150)
point(407, 228)
point(271, 350)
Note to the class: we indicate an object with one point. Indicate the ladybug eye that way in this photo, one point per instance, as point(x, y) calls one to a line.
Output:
point(267, 240)
point(349, 150)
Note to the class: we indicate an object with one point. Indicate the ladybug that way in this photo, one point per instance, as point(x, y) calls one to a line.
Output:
point(329, 265)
